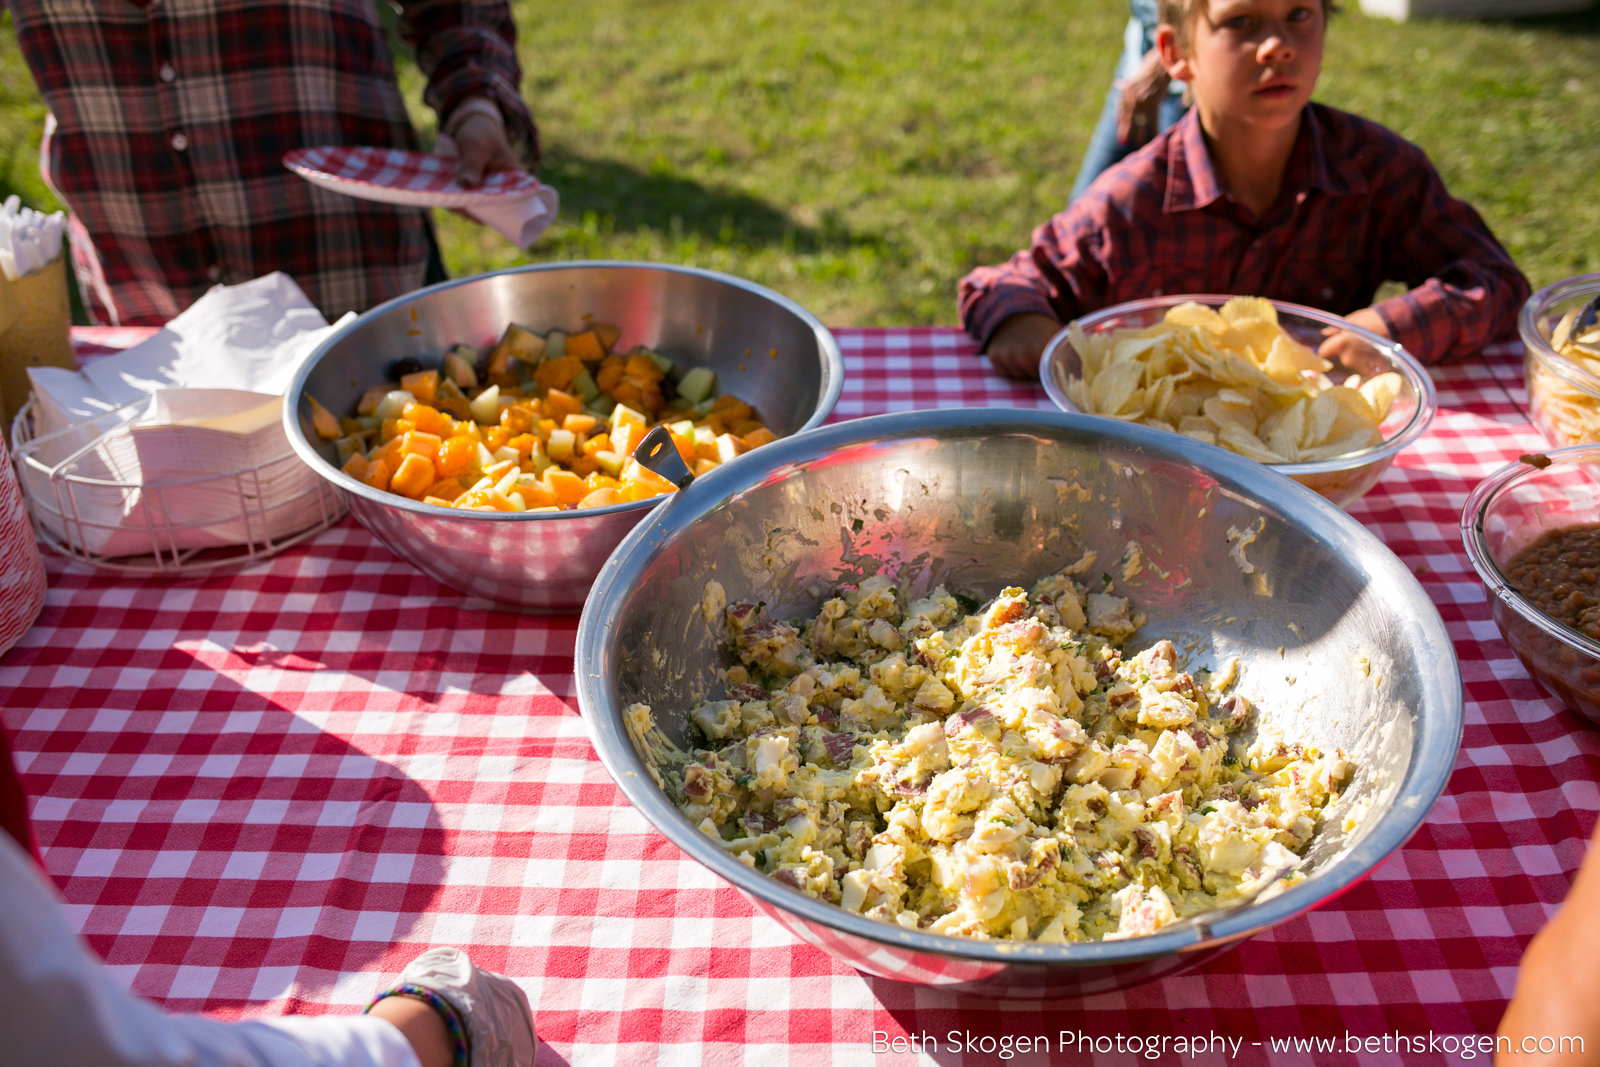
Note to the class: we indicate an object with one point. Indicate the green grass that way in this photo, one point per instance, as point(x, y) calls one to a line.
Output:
point(861, 157)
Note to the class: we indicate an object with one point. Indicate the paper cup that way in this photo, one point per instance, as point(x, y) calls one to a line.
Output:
point(22, 584)
point(41, 336)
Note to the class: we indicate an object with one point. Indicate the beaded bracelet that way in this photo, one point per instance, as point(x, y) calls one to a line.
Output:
point(452, 1021)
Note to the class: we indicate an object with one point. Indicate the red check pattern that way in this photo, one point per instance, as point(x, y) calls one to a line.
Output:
point(266, 792)
point(394, 168)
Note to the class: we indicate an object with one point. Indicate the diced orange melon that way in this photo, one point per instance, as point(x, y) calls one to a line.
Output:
point(705, 466)
point(579, 423)
point(743, 427)
point(536, 494)
point(417, 443)
point(350, 426)
point(559, 404)
point(567, 487)
point(424, 385)
point(600, 498)
point(428, 419)
point(610, 373)
point(642, 369)
point(414, 477)
point(518, 418)
point(446, 489)
point(558, 373)
point(758, 437)
point(356, 466)
point(368, 404)
point(685, 447)
point(600, 480)
point(525, 443)
point(495, 436)
point(600, 442)
point(583, 465)
point(377, 475)
point(437, 501)
point(585, 346)
point(456, 456)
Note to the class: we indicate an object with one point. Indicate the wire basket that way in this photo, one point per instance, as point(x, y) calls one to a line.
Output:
point(85, 493)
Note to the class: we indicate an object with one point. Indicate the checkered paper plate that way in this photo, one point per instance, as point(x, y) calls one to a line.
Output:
point(266, 791)
point(395, 176)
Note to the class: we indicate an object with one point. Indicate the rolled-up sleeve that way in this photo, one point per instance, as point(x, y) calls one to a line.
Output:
point(467, 48)
point(1050, 277)
point(1465, 290)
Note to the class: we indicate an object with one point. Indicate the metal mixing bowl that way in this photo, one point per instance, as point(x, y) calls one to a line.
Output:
point(980, 500)
point(1343, 479)
point(548, 561)
point(1508, 511)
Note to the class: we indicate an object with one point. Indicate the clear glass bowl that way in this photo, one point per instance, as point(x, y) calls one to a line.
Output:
point(1342, 479)
point(1508, 511)
point(1563, 398)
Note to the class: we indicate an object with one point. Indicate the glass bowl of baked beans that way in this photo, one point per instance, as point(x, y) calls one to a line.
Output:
point(1532, 531)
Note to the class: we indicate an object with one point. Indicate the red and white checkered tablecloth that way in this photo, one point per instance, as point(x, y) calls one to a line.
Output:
point(266, 791)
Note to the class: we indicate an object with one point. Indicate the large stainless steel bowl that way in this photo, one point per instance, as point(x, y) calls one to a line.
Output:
point(984, 499)
point(548, 561)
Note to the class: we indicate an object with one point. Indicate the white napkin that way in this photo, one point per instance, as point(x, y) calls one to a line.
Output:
point(521, 221)
point(200, 399)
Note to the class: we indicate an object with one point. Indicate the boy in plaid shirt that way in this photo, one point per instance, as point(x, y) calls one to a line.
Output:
point(1259, 192)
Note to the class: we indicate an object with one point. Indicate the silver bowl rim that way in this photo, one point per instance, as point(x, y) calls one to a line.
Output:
point(1537, 345)
point(1439, 736)
point(1494, 580)
point(1405, 364)
point(827, 344)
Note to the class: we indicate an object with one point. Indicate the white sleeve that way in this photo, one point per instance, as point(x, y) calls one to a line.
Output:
point(58, 1007)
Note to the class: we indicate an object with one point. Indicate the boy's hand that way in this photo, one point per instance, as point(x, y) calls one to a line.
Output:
point(1346, 349)
point(1139, 107)
point(1015, 347)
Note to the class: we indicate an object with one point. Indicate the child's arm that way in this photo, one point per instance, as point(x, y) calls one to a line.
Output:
point(1015, 308)
point(1466, 291)
point(1558, 983)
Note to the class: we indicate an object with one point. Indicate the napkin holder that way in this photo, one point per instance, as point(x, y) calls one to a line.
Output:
point(91, 497)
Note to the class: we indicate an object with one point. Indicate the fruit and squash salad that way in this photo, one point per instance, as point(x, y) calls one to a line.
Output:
point(542, 423)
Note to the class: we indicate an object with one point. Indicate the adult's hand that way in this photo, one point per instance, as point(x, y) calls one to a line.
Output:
point(1558, 984)
point(1017, 343)
point(482, 146)
point(1346, 349)
point(1139, 107)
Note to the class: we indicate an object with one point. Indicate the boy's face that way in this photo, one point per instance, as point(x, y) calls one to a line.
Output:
point(1251, 61)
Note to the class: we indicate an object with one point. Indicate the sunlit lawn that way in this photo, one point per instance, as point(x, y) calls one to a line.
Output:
point(862, 156)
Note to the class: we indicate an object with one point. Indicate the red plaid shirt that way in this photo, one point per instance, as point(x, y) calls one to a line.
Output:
point(1360, 205)
point(171, 118)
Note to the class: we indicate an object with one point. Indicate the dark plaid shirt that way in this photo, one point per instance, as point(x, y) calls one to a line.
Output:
point(1360, 205)
point(171, 118)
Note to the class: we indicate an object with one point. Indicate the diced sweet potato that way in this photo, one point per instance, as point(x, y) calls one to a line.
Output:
point(579, 423)
point(356, 466)
point(685, 447)
point(428, 419)
point(524, 443)
point(518, 418)
point(424, 385)
point(705, 466)
point(600, 480)
point(377, 475)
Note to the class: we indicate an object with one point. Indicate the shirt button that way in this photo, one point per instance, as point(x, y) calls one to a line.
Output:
point(167, 73)
point(179, 142)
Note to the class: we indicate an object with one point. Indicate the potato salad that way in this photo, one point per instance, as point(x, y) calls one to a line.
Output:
point(1003, 772)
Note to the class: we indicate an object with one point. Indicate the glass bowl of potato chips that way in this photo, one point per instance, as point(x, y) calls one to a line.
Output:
point(1242, 373)
point(1561, 361)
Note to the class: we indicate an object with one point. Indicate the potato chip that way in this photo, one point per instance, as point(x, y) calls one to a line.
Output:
point(1234, 377)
